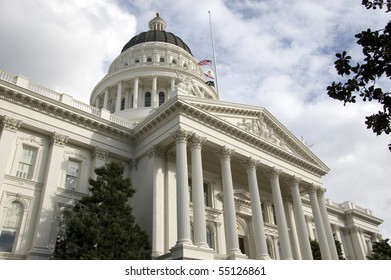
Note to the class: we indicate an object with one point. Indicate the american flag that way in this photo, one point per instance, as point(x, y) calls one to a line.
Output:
point(205, 62)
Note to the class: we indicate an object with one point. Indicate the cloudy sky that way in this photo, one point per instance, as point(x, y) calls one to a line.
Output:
point(275, 54)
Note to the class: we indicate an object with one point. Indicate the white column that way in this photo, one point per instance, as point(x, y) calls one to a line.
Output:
point(258, 223)
point(199, 225)
point(286, 252)
point(231, 232)
point(7, 140)
point(304, 238)
point(41, 247)
point(97, 103)
point(324, 246)
point(356, 237)
point(290, 219)
point(119, 97)
point(172, 85)
point(154, 92)
point(326, 223)
point(106, 98)
point(156, 174)
point(135, 92)
point(182, 184)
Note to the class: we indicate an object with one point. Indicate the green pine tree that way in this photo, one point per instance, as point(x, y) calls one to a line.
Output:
point(103, 227)
point(315, 248)
point(381, 250)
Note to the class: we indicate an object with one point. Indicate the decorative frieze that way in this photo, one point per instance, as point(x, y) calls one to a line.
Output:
point(59, 139)
point(11, 124)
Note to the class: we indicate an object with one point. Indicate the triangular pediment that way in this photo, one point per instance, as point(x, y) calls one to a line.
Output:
point(261, 124)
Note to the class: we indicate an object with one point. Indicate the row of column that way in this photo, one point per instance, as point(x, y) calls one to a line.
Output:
point(318, 206)
point(135, 94)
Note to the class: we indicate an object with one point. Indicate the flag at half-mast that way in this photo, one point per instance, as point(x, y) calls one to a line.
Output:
point(209, 73)
point(205, 62)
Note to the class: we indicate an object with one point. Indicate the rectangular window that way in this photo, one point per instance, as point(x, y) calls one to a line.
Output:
point(26, 162)
point(207, 196)
point(72, 175)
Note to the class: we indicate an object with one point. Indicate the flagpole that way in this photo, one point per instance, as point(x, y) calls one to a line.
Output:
point(214, 54)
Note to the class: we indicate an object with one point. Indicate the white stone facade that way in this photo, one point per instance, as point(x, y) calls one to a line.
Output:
point(213, 179)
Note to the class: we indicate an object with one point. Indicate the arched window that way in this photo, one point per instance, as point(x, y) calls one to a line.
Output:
point(161, 59)
point(174, 61)
point(147, 102)
point(209, 237)
point(149, 59)
point(162, 98)
point(11, 226)
point(137, 60)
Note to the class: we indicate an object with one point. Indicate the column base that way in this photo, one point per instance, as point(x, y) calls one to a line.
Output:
point(37, 253)
point(190, 252)
point(237, 256)
point(263, 257)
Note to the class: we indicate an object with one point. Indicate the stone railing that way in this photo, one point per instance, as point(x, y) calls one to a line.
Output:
point(63, 98)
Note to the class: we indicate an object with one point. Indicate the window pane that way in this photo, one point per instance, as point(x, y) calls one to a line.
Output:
point(147, 99)
point(13, 215)
point(72, 176)
point(26, 162)
point(162, 98)
point(7, 239)
point(209, 239)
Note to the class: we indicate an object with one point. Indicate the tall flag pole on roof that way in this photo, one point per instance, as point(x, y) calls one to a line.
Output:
point(214, 55)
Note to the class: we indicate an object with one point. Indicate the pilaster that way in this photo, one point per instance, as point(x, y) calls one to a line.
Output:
point(41, 247)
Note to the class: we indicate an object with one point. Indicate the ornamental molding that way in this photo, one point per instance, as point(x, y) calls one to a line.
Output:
point(10, 124)
point(100, 153)
point(155, 151)
point(59, 139)
point(58, 110)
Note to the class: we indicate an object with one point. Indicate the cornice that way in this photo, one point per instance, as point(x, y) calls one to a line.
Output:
point(364, 217)
point(28, 99)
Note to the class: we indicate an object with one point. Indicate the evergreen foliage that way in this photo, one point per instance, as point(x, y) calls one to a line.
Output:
point(381, 250)
point(315, 248)
point(103, 227)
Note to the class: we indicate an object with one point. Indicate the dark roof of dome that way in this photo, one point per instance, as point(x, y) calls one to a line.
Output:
point(156, 36)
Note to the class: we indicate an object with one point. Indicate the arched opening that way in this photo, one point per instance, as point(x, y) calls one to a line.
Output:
point(11, 226)
point(162, 98)
point(147, 102)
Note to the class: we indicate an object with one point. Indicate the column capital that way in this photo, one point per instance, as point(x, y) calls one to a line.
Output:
point(273, 172)
point(250, 163)
point(100, 153)
point(170, 156)
point(196, 140)
point(59, 139)
point(180, 134)
point(310, 189)
point(155, 151)
point(133, 164)
point(293, 181)
point(225, 153)
point(320, 191)
point(11, 124)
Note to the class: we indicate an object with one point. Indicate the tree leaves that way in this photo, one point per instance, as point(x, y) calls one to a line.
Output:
point(103, 226)
point(361, 78)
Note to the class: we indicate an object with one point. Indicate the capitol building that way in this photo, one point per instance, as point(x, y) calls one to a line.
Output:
point(214, 179)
